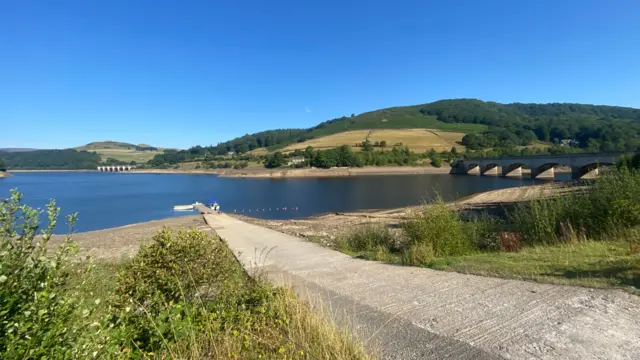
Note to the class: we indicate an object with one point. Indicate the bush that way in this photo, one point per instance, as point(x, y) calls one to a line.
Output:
point(610, 206)
point(37, 304)
point(418, 254)
point(370, 238)
point(440, 228)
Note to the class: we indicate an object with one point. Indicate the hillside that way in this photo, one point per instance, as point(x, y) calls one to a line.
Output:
point(418, 140)
point(487, 125)
point(17, 149)
point(122, 151)
point(68, 159)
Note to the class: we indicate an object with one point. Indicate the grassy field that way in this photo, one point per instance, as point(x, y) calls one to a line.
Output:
point(120, 151)
point(419, 140)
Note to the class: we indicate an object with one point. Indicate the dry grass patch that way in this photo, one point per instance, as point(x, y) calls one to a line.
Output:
point(419, 140)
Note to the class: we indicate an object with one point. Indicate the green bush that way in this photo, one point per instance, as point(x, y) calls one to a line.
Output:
point(600, 211)
point(369, 238)
point(38, 307)
point(418, 254)
point(440, 228)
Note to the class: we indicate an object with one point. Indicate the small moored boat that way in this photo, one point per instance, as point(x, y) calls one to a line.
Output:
point(183, 207)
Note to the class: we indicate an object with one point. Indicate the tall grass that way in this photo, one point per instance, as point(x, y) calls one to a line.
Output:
point(606, 209)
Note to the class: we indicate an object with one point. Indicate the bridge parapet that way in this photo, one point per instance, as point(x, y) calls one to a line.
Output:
point(541, 166)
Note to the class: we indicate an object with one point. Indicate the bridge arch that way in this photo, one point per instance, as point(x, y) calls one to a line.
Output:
point(544, 171)
point(473, 169)
point(490, 169)
point(588, 170)
point(514, 169)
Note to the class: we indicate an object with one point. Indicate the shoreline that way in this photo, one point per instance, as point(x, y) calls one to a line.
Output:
point(123, 241)
point(263, 173)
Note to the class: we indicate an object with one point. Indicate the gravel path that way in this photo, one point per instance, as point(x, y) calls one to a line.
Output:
point(418, 313)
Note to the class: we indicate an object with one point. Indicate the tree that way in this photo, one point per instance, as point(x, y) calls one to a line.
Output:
point(274, 161)
point(436, 162)
point(2, 167)
point(383, 144)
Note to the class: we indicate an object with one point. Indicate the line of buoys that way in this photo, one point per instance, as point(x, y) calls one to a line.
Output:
point(265, 210)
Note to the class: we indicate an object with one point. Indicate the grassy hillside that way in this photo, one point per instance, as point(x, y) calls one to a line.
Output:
point(418, 140)
point(122, 151)
point(486, 125)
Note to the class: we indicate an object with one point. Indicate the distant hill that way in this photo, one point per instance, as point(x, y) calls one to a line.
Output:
point(502, 124)
point(122, 151)
point(17, 149)
point(68, 159)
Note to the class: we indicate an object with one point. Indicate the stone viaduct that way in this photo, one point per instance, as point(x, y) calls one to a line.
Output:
point(541, 166)
point(116, 168)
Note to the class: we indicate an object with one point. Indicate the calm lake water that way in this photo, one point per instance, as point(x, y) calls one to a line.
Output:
point(105, 200)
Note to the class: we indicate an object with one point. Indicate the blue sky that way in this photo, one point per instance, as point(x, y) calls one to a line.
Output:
point(181, 73)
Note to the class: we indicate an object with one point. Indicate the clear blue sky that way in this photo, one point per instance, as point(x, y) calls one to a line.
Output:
point(181, 73)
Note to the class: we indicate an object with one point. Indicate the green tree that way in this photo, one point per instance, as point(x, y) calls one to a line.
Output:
point(383, 144)
point(2, 167)
point(274, 161)
point(436, 162)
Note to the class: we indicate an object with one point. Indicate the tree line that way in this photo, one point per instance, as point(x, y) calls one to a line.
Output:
point(68, 159)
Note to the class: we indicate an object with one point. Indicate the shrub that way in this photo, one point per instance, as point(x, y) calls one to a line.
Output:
point(178, 265)
point(609, 206)
point(370, 238)
point(185, 296)
point(37, 305)
point(440, 228)
point(418, 254)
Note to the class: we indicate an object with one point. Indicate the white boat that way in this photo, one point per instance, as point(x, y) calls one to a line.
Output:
point(183, 207)
point(186, 207)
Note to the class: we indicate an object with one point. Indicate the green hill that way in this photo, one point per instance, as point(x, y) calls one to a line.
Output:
point(121, 151)
point(486, 125)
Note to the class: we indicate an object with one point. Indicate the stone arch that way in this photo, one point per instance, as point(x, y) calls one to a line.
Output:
point(490, 169)
point(473, 169)
point(544, 171)
point(514, 169)
point(588, 170)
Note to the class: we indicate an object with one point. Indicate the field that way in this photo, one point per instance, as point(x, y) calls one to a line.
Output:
point(120, 151)
point(419, 140)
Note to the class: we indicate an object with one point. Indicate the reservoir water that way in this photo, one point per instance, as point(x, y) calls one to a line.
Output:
point(105, 200)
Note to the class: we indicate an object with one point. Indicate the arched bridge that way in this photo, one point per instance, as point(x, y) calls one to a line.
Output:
point(541, 166)
point(116, 168)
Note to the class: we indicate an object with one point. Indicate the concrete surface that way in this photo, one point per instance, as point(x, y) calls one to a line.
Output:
point(415, 313)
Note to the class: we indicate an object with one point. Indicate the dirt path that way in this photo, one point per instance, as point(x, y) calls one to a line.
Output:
point(440, 314)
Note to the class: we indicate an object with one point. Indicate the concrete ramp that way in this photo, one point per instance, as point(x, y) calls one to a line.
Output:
point(417, 313)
